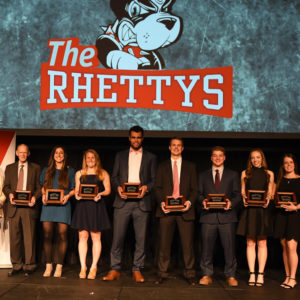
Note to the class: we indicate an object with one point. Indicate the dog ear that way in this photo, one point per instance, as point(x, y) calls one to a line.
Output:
point(118, 7)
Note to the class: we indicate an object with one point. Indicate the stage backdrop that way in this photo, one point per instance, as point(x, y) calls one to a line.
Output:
point(210, 66)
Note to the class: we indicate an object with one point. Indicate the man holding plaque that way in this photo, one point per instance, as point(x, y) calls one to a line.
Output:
point(134, 168)
point(218, 180)
point(176, 180)
point(22, 176)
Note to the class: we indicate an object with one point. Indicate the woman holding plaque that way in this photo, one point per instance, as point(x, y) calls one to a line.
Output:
point(287, 219)
point(90, 215)
point(255, 222)
point(56, 176)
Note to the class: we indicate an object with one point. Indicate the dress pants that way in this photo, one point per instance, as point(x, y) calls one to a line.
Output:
point(186, 231)
point(22, 235)
point(122, 217)
point(227, 236)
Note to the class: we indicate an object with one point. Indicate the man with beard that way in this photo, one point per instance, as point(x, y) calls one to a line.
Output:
point(133, 165)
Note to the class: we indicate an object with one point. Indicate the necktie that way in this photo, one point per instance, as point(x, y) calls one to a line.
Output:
point(175, 194)
point(217, 179)
point(20, 179)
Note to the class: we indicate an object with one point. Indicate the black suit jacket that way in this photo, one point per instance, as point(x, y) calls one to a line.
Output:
point(147, 177)
point(188, 186)
point(33, 185)
point(229, 185)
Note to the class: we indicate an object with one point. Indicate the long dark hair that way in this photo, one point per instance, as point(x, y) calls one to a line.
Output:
point(282, 172)
point(249, 170)
point(63, 181)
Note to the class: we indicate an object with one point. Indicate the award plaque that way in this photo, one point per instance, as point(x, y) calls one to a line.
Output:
point(22, 197)
point(88, 191)
point(256, 198)
point(216, 201)
point(174, 204)
point(283, 198)
point(131, 189)
point(54, 196)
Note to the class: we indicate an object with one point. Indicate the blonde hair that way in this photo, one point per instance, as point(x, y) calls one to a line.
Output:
point(98, 167)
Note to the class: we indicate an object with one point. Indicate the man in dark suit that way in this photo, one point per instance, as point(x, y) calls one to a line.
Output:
point(22, 175)
point(134, 165)
point(171, 173)
point(219, 180)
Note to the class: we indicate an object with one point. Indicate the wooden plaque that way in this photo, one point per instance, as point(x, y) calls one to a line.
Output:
point(283, 198)
point(22, 197)
point(88, 191)
point(256, 198)
point(216, 201)
point(54, 196)
point(174, 204)
point(131, 189)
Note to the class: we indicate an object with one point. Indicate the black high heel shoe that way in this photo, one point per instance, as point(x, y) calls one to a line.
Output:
point(251, 283)
point(258, 283)
point(288, 286)
point(284, 284)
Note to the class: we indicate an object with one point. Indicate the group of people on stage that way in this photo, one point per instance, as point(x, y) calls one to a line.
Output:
point(176, 178)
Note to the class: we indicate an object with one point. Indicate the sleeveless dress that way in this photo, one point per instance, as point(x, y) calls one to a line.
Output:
point(58, 213)
point(256, 221)
point(90, 215)
point(287, 223)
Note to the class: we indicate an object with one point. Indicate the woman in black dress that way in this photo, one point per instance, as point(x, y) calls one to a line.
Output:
point(90, 216)
point(287, 220)
point(255, 222)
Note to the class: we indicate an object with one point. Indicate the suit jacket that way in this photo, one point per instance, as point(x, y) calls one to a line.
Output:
point(229, 185)
point(147, 177)
point(33, 185)
point(187, 186)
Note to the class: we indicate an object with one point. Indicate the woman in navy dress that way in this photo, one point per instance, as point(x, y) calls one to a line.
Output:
point(255, 222)
point(287, 220)
point(90, 216)
point(56, 176)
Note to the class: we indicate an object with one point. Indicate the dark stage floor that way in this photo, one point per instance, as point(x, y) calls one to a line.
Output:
point(70, 287)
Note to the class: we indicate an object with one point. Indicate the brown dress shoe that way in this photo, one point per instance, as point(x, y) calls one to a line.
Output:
point(231, 281)
point(137, 276)
point(205, 280)
point(112, 275)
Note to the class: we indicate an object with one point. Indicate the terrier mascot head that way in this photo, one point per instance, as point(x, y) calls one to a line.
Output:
point(141, 28)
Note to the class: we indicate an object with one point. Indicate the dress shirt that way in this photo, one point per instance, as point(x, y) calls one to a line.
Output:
point(178, 162)
point(221, 169)
point(134, 165)
point(25, 169)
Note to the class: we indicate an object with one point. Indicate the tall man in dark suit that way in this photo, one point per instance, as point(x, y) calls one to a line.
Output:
point(218, 180)
point(134, 165)
point(175, 177)
point(22, 175)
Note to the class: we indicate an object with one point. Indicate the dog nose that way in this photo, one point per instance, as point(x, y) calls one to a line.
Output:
point(168, 22)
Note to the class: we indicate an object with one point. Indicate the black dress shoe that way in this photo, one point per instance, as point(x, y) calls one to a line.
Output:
point(28, 272)
point(13, 272)
point(191, 281)
point(159, 280)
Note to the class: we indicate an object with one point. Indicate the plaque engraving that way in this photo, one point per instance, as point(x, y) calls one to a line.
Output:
point(22, 197)
point(54, 196)
point(131, 189)
point(88, 191)
point(174, 204)
point(216, 201)
point(283, 198)
point(256, 198)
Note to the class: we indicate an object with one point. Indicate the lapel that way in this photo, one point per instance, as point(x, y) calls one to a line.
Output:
point(223, 180)
point(15, 175)
point(211, 180)
point(169, 173)
point(182, 173)
point(125, 161)
point(143, 163)
point(29, 175)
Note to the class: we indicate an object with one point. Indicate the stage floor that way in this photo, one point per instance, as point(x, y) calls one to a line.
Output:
point(70, 287)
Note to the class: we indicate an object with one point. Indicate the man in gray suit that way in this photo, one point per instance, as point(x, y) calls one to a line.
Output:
point(22, 219)
point(218, 180)
point(133, 165)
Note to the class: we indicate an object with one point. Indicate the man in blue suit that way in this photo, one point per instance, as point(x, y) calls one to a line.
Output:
point(133, 165)
point(218, 180)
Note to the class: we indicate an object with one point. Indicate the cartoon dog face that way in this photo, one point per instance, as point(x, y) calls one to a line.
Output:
point(142, 27)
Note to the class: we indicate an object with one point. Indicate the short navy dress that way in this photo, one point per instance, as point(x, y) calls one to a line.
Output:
point(90, 215)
